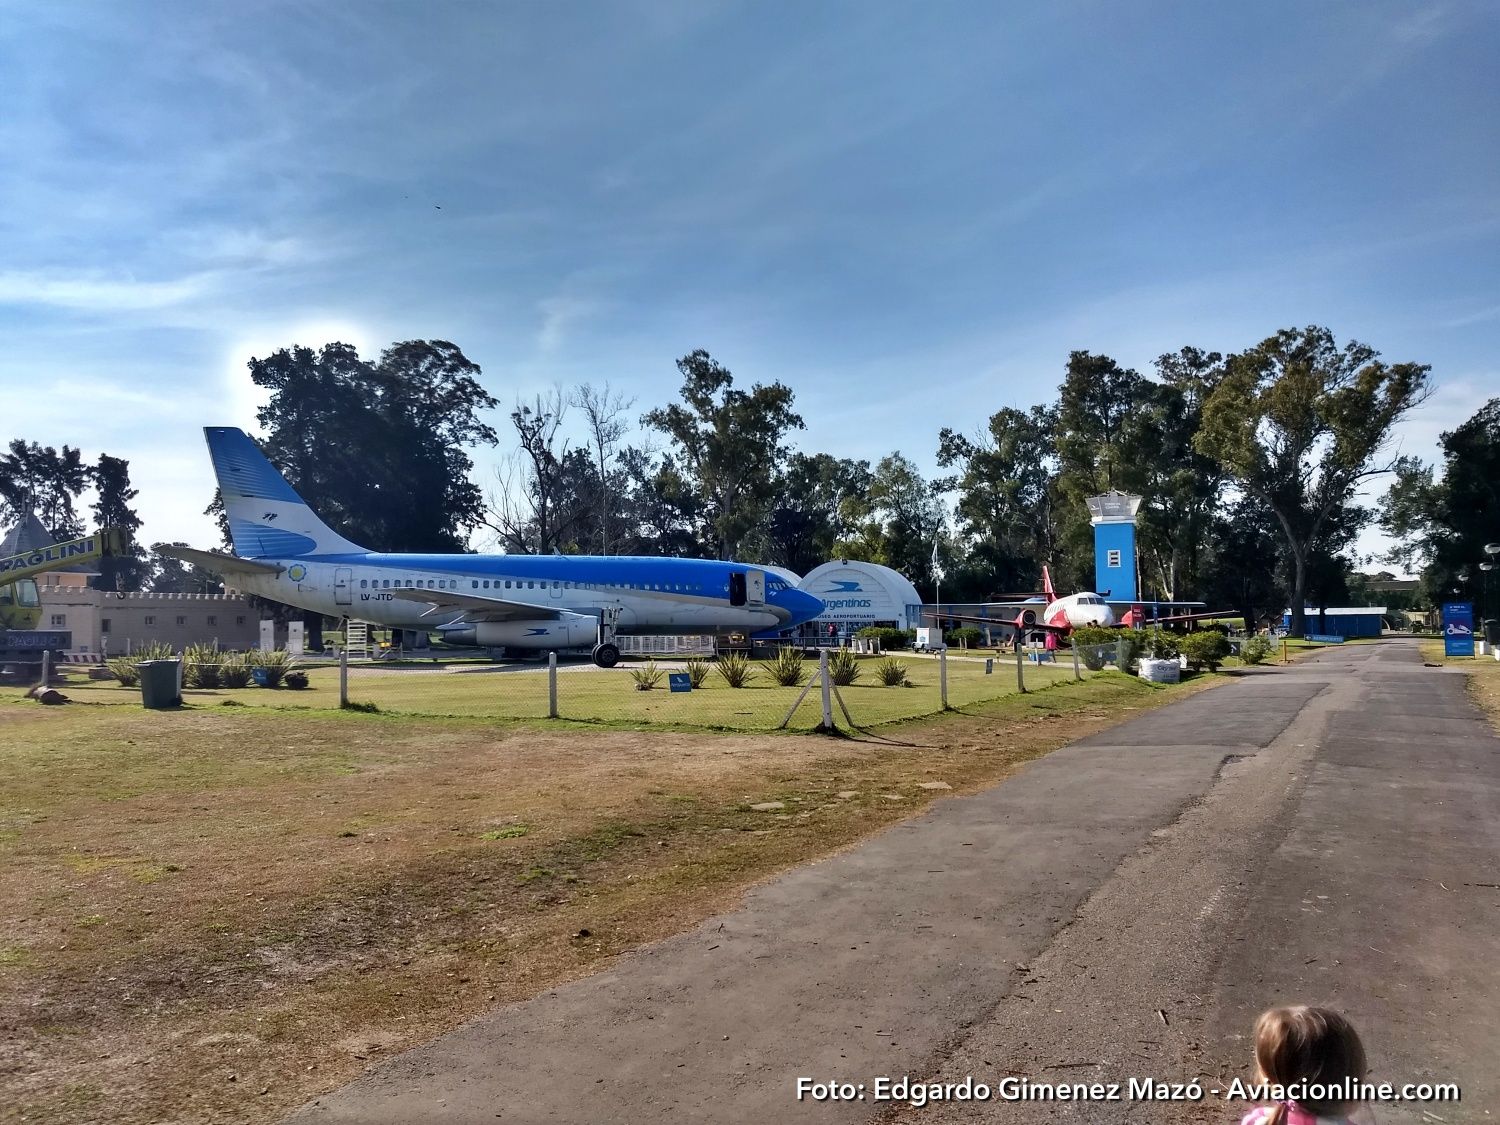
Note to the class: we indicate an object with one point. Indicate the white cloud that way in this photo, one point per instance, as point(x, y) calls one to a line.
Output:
point(97, 291)
point(559, 315)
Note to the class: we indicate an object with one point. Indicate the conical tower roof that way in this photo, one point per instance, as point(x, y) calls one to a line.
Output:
point(28, 535)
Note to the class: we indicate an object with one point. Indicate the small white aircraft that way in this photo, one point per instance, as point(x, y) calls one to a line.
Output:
point(1045, 612)
point(1074, 611)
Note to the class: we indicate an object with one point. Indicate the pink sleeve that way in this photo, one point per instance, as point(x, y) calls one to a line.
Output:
point(1257, 1115)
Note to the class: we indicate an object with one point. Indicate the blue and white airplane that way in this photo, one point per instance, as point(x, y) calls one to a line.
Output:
point(283, 551)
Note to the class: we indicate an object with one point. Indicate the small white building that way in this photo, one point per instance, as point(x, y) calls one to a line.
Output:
point(856, 595)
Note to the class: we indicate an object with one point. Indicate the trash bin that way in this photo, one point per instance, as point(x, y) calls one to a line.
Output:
point(159, 684)
point(1492, 631)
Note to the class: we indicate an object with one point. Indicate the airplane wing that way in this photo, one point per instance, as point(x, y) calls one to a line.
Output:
point(220, 564)
point(1201, 616)
point(1018, 622)
point(480, 608)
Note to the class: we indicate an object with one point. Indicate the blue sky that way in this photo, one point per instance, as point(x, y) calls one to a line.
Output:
point(909, 213)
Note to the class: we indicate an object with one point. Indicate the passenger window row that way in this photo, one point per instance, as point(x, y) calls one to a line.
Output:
point(520, 584)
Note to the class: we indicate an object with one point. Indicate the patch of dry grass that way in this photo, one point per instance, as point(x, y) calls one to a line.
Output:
point(217, 914)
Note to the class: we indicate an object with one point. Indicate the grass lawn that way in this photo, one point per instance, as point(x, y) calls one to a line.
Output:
point(215, 913)
point(609, 696)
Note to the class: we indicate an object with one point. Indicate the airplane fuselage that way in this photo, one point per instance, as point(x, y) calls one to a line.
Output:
point(1079, 610)
point(570, 593)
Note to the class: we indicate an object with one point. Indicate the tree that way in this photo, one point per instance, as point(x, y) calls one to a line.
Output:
point(379, 449)
point(1182, 488)
point(46, 481)
point(527, 513)
point(822, 500)
point(1240, 560)
point(604, 414)
point(728, 445)
point(1099, 443)
point(1443, 524)
point(1299, 422)
point(906, 522)
point(1006, 493)
point(111, 508)
point(660, 509)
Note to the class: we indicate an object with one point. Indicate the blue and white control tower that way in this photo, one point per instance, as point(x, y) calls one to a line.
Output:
point(1113, 517)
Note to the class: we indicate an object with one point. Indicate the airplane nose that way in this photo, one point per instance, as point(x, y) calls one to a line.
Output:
point(802, 606)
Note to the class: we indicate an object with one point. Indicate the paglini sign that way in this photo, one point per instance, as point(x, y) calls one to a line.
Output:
point(1458, 628)
point(58, 552)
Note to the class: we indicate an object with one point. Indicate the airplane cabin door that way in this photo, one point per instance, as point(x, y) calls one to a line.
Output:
point(343, 583)
point(555, 589)
point(755, 587)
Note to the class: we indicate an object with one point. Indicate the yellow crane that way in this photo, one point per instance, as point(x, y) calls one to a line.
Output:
point(21, 607)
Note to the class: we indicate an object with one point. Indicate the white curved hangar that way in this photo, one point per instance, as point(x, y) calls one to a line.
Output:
point(858, 594)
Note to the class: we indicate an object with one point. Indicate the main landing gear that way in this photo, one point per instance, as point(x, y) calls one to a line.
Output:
point(606, 652)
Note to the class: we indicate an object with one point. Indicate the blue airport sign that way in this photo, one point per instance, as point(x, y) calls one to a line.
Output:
point(1458, 628)
point(679, 681)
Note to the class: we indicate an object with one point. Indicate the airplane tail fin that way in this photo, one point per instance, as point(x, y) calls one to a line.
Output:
point(266, 517)
point(1047, 584)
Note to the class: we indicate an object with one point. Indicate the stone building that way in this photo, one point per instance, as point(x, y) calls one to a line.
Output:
point(106, 623)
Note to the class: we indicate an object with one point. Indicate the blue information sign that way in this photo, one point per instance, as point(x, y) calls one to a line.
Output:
point(1458, 628)
point(679, 681)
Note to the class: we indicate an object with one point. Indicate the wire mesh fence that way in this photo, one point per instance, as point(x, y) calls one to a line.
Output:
point(730, 693)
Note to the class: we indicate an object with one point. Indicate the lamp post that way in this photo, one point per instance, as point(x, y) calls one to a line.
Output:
point(1490, 564)
point(1488, 568)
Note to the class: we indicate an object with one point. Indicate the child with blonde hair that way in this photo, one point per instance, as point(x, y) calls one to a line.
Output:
point(1304, 1047)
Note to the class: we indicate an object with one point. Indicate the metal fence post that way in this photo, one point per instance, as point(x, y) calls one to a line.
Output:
point(1077, 674)
point(943, 676)
point(552, 684)
point(1020, 670)
point(46, 666)
point(827, 689)
point(344, 670)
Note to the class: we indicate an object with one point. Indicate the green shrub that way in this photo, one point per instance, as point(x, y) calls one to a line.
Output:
point(296, 680)
point(697, 670)
point(891, 672)
point(1158, 644)
point(969, 636)
point(647, 676)
point(1127, 647)
point(1095, 656)
point(234, 670)
point(1095, 635)
point(888, 637)
point(123, 668)
point(735, 668)
point(1206, 648)
point(277, 663)
point(786, 668)
point(1097, 645)
point(1255, 649)
point(843, 667)
point(202, 670)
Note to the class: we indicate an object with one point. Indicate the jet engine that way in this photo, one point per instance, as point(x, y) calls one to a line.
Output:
point(572, 630)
